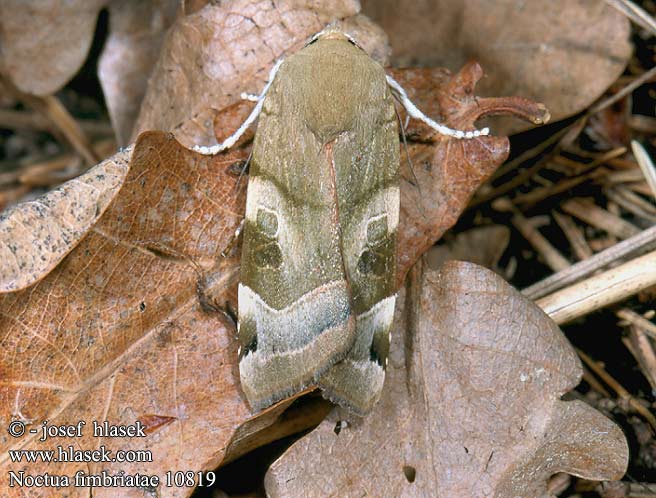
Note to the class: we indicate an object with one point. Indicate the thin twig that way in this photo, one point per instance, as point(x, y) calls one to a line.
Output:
point(27, 120)
point(621, 392)
point(62, 121)
point(549, 253)
point(632, 202)
point(642, 350)
point(537, 195)
point(525, 175)
point(640, 80)
point(634, 318)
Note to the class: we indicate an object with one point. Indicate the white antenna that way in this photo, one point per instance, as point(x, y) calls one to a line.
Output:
point(232, 139)
point(417, 114)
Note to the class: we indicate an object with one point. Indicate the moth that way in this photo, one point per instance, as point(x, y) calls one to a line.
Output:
point(317, 283)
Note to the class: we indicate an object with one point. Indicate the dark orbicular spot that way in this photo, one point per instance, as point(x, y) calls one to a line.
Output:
point(377, 230)
point(372, 263)
point(267, 222)
point(268, 255)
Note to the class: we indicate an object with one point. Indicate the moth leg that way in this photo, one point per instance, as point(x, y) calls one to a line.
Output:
point(208, 304)
point(232, 139)
point(414, 112)
point(235, 236)
point(403, 126)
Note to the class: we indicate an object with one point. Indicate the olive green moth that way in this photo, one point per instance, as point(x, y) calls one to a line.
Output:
point(317, 285)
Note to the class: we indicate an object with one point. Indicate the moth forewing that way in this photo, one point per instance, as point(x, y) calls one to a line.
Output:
point(316, 296)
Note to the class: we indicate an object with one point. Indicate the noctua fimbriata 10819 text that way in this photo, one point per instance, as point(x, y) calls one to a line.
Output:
point(317, 284)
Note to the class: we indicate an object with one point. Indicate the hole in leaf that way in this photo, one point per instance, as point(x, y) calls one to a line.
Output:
point(410, 473)
point(339, 426)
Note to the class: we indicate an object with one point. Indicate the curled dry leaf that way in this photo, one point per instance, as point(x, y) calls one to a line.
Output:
point(531, 48)
point(117, 332)
point(136, 34)
point(481, 245)
point(44, 43)
point(36, 235)
point(213, 55)
point(446, 172)
point(131, 340)
point(470, 407)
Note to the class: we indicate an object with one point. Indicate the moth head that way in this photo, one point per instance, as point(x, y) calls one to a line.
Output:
point(333, 31)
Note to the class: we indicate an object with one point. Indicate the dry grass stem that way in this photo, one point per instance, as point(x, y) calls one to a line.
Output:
point(632, 202)
point(643, 351)
point(601, 290)
point(574, 235)
point(26, 120)
point(600, 218)
point(549, 253)
point(635, 13)
point(637, 82)
point(637, 320)
point(646, 165)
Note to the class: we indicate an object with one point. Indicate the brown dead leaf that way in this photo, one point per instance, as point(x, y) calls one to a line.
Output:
point(482, 245)
point(44, 43)
point(136, 34)
point(470, 407)
point(446, 172)
point(36, 235)
point(562, 53)
point(214, 54)
point(116, 331)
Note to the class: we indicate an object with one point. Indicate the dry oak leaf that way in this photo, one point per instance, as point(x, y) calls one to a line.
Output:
point(133, 46)
point(563, 53)
point(446, 172)
point(481, 245)
point(471, 405)
point(209, 57)
point(117, 332)
point(36, 235)
point(43, 43)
